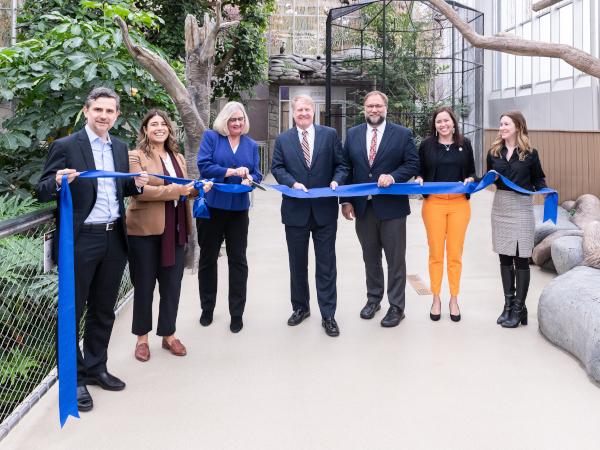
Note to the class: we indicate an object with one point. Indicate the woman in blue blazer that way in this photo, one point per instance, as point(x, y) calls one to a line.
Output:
point(229, 156)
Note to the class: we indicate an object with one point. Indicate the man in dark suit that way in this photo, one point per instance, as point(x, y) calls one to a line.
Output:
point(100, 237)
point(309, 156)
point(383, 152)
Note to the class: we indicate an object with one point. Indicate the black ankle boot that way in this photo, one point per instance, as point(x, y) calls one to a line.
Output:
point(508, 285)
point(518, 313)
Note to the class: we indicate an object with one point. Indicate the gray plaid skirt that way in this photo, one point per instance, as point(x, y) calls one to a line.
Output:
point(513, 223)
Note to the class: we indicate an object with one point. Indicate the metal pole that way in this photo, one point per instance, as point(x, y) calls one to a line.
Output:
point(384, 46)
point(328, 70)
point(453, 69)
point(13, 31)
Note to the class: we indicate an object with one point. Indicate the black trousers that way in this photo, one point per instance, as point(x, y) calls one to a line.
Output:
point(389, 235)
point(325, 274)
point(145, 269)
point(100, 258)
point(231, 227)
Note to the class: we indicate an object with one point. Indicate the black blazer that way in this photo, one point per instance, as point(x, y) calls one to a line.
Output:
point(396, 156)
point(75, 152)
point(429, 155)
point(327, 165)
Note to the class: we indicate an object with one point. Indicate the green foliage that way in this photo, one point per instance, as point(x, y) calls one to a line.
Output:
point(245, 43)
point(410, 64)
point(12, 206)
point(65, 50)
point(13, 365)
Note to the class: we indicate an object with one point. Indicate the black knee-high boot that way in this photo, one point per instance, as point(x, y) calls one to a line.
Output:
point(508, 285)
point(518, 313)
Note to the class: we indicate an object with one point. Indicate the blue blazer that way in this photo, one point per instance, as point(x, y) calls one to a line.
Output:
point(327, 165)
point(216, 156)
point(397, 156)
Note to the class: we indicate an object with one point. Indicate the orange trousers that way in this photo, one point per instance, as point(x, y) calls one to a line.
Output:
point(446, 219)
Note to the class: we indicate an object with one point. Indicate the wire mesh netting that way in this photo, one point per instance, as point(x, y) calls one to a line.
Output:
point(28, 310)
point(410, 51)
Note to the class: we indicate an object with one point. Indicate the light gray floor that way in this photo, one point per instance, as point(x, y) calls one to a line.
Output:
point(422, 385)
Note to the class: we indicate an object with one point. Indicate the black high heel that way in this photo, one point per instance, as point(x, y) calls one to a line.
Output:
point(435, 317)
point(455, 317)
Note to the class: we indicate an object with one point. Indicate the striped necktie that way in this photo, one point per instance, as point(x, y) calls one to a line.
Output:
point(373, 148)
point(305, 147)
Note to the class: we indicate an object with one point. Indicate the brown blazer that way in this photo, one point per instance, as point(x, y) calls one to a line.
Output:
point(146, 212)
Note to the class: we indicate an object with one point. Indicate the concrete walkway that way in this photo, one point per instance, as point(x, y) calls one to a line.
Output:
point(422, 385)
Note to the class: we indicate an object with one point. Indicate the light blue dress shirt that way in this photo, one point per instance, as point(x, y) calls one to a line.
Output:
point(106, 208)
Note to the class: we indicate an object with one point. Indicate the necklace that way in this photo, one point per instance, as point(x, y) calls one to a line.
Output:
point(447, 146)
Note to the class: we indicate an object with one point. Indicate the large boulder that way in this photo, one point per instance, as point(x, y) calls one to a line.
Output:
point(569, 315)
point(587, 209)
point(543, 229)
point(591, 245)
point(542, 252)
point(567, 252)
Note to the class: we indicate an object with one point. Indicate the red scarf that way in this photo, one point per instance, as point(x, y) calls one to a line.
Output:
point(175, 224)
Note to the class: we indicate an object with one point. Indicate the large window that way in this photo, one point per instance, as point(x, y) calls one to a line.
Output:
point(298, 26)
point(565, 36)
point(544, 69)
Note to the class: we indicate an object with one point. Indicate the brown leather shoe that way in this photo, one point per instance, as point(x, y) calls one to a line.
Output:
point(142, 352)
point(175, 347)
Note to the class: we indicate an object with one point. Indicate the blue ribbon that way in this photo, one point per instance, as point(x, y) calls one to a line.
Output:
point(364, 189)
point(67, 356)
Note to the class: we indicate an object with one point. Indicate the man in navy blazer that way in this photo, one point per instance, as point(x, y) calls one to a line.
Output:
point(310, 156)
point(382, 152)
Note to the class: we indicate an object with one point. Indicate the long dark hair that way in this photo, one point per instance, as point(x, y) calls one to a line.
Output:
point(143, 142)
point(456, 135)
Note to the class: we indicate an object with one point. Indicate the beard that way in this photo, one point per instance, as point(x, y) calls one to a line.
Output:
point(375, 122)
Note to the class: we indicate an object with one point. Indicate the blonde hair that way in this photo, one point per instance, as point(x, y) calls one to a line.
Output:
point(523, 145)
point(381, 94)
point(220, 123)
point(302, 97)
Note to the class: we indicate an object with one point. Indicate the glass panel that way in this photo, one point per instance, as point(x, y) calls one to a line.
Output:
point(526, 60)
point(284, 93)
point(565, 37)
point(497, 70)
point(587, 16)
point(544, 68)
point(284, 123)
point(510, 67)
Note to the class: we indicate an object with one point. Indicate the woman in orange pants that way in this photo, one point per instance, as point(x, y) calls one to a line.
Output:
point(446, 156)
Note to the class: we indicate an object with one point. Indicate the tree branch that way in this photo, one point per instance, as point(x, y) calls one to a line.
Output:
point(211, 31)
point(164, 74)
point(538, 6)
point(518, 46)
point(219, 68)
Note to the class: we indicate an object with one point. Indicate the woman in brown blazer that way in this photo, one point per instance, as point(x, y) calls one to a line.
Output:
point(158, 224)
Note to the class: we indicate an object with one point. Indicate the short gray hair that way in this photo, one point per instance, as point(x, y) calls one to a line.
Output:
point(220, 123)
point(302, 97)
point(100, 92)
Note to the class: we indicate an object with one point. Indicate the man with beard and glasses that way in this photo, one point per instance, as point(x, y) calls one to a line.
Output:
point(383, 152)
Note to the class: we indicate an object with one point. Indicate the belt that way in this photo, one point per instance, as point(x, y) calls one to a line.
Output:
point(99, 227)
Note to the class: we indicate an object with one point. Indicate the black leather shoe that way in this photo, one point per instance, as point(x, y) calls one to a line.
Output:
point(297, 317)
point(84, 399)
point(206, 318)
point(106, 381)
point(331, 327)
point(236, 324)
point(392, 317)
point(369, 310)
